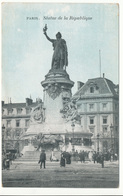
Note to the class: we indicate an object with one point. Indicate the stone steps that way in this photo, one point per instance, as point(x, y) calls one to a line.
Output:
point(33, 156)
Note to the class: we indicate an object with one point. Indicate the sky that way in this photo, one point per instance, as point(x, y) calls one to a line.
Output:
point(27, 54)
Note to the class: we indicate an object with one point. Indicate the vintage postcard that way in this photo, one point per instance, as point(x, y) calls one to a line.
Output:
point(60, 95)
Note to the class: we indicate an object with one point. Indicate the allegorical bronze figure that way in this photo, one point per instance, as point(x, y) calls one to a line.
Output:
point(60, 55)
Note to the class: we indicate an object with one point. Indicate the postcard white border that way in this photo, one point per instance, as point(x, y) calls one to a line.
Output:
point(80, 191)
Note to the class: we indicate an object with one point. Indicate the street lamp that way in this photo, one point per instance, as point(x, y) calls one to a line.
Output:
point(73, 125)
point(112, 146)
point(3, 139)
point(98, 142)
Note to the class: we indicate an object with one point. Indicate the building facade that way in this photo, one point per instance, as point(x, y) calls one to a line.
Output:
point(15, 121)
point(98, 104)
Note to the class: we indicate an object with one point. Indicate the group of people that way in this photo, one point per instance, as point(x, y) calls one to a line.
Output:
point(99, 158)
point(108, 156)
point(79, 156)
point(7, 159)
point(82, 156)
point(65, 158)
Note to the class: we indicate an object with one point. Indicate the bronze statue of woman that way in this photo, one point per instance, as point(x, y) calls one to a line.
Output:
point(60, 55)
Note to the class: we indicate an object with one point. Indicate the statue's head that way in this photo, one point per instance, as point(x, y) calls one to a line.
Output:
point(58, 35)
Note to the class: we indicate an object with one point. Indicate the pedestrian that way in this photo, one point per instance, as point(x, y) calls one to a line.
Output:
point(10, 157)
point(7, 162)
point(53, 157)
point(98, 157)
point(80, 156)
point(94, 156)
point(90, 155)
point(115, 156)
point(109, 156)
point(102, 160)
point(3, 161)
point(62, 161)
point(68, 158)
point(86, 155)
point(42, 159)
point(83, 156)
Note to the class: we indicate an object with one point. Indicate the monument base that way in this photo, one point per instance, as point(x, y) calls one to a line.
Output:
point(55, 136)
point(52, 124)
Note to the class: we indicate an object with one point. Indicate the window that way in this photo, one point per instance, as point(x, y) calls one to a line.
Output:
point(2, 111)
point(79, 106)
point(76, 141)
point(104, 105)
point(86, 142)
point(9, 111)
point(28, 110)
point(8, 133)
point(104, 120)
point(91, 121)
point(8, 123)
point(27, 122)
point(116, 120)
point(91, 89)
point(19, 110)
point(17, 123)
point(91, 107)
point(17, 133)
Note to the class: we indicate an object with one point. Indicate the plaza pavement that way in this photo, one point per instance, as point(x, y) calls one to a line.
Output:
point(75, 175)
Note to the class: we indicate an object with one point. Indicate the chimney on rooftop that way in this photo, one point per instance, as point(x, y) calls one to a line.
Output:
point(79, 85)
point(28, 101)
point(103, 75)
point(38, 100)
point(10, 100)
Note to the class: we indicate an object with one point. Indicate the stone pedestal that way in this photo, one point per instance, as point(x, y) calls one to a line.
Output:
point(57, 91)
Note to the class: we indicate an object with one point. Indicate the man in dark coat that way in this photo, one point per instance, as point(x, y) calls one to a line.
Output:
point(42, 159)
point(83, 156)
point(3, 161)
point(102, 160)
point(94, 156)
point(62, 161)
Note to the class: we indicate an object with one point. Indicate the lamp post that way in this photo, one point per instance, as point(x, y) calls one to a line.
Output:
point(112, 146)
point(73, 125)
point(44, 114)
point(98, 142)
point(3, 139)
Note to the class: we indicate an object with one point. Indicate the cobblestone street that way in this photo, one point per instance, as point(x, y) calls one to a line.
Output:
point(76, 175)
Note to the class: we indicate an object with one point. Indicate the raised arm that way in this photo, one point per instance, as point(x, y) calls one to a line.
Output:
point(51, 40)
